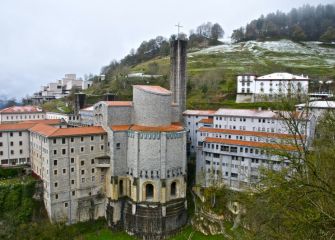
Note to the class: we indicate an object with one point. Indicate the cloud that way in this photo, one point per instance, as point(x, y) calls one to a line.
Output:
point(42, 40)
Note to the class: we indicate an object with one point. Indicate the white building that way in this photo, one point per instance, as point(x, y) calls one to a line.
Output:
point(318, 108)
point(239, 142)
point(191, 121)
point(68, 118)
point(86, 116)
point(251, 88)
point(21, 113)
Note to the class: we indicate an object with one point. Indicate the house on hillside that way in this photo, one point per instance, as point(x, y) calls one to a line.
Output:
point(271, 87)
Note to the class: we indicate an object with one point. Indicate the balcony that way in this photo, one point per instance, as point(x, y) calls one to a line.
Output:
point(103, 162)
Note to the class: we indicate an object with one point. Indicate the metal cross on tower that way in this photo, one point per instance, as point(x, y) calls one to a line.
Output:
point(178, 26)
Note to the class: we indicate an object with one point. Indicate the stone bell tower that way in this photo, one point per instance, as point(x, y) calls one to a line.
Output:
point(178, 75)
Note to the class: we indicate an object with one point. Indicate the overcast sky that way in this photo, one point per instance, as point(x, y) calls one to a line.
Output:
point(41, 40)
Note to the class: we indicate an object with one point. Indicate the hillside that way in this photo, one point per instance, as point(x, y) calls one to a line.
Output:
point(212, 71)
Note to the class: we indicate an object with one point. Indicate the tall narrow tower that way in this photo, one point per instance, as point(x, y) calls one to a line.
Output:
point(178, 75)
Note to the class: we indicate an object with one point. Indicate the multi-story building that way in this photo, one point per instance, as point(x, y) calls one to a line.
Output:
point(192, 119)
point(21, 113)
point(318, 108)
point(14, 141)
point(240, 142)
point(68, 160)
point(251, 88)
point(71, 119)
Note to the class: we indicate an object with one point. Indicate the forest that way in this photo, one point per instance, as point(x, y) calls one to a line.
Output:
point(307, 23)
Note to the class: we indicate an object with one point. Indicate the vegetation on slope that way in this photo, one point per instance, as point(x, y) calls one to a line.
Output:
point(306, 23)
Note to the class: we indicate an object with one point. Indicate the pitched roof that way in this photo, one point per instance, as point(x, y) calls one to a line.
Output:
point(282, 76)
point(21, 109)
point(154, 89)
point(199, 112)
point(206, 120)
point(119, 103)
point(246, 113)
point(251, 144)
point(248, 133)
point(16, 126)
point(49, 131)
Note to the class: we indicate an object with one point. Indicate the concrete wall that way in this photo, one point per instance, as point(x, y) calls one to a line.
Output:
point(151, 109)
point(17, 117)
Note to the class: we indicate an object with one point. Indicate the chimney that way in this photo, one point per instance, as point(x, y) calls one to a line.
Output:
point(79, 101)
point(178, 75)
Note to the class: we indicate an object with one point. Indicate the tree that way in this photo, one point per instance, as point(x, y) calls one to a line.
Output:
point(217, 32)
point(238, 35)
point(297, 33)
point(329, 35)
point(299, 201)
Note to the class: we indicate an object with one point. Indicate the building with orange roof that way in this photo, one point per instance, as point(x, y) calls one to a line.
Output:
point(234, 143)
point(21, 113)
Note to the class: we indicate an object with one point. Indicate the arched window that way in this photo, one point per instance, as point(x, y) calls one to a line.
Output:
point(121, 187)
point(173, 191)
point(149, 192)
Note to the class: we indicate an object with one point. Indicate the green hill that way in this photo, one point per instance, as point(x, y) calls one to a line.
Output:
point(212, 71)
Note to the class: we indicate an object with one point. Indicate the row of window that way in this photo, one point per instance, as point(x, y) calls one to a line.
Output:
point(82, 162)
point(12, 152)
point(25, 117)
point(72, 139)
point(82, 149)
point(11, 134)
point(11, 144)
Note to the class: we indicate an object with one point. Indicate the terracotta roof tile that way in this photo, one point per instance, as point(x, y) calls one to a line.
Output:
point(120, 127)
point(167, 128)
point(248, 133)
point(21, 109)
point(16, 126)
point(119, 103)
point(251, 144)
point(154, 89)
point(50, 131)
point(206, 120)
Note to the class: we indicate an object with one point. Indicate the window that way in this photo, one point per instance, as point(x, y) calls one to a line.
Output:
point(92, 161)
point(82, 139)
point(55, 172)
point(20, 134)
point(73, 193)
point(55, 162)
point(1, 153)
point(64, 151)
point(121, 187)
point(72, 160)
point(66, 204)
point(92, 148)
point(118, 145)
point(12, 143)
point(72, 150)
point(82, 163)
point(83, 180)
point(149, 192)
point(21, 151)
point(173, 190)
point(82, 149)
point(56, 196)
point(72, 169)
point(55, 152)
point(102, 147)
point(72, 139)
point(56, 184)
point(92, 170)
point(72, 181)
point(55, 141)
point(11, 134)
point(20, 143)
point(82, 172)
point(63, 140)
point(92, 138)
point(64, 170)
point(102, 137)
